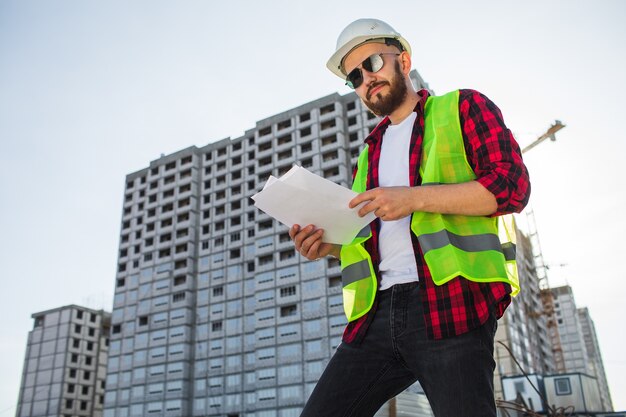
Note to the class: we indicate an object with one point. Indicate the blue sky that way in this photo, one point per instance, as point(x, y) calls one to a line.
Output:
point(91, 91)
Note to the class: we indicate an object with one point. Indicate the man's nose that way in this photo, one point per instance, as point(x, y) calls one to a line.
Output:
point(368, 78)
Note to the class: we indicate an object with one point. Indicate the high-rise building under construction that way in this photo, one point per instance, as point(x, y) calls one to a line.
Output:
point(65, 363)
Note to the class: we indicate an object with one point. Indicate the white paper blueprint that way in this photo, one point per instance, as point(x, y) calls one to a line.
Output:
point(303, 198)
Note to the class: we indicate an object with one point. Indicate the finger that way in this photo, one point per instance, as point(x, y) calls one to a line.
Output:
point(311, 238)
point(314, 250)
point(364, 196)
point(368, 208)
point(294, 230)
point(308, 243)
point(301, 236)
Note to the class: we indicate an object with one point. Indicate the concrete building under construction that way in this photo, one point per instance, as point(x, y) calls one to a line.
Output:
point(65, 364)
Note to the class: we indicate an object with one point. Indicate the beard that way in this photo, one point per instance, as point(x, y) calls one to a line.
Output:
point(385, 105)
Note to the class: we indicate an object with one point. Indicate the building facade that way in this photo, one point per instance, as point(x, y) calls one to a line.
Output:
point(595, 357)
point(568, 332)
point(65, 364)
point(215, 314)
point(575, 392)
point(406, 404)
point(524, 326)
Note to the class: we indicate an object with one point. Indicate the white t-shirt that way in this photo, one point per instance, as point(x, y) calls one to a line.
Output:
point(397, 263)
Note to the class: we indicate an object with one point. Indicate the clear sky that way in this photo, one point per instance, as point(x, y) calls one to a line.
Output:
point(91, 91)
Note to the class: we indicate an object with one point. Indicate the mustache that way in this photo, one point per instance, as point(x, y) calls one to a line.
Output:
point(372, 86)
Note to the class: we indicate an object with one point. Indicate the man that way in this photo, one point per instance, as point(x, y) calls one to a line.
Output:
point(425, 284)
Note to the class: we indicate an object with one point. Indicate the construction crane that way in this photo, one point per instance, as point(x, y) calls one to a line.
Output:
point(541, 268)
point(549, 134)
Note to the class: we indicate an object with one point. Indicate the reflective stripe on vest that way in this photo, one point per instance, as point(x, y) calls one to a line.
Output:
point(453, 245)
point(355, 272)
point(474, 243)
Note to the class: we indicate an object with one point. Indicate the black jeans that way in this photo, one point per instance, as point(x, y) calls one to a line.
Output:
point(455, 373)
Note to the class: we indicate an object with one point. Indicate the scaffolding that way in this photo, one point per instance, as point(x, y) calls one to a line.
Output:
point(541, 268)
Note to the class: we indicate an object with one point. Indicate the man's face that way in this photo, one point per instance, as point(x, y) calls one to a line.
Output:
point(383, 91)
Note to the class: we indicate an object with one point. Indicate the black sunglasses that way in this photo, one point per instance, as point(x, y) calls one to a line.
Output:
point(373, 63)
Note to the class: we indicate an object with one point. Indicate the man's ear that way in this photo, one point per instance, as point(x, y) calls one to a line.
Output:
point(406, 62)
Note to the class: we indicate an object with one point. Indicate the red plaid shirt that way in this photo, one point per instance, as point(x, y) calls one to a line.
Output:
point(459, 305)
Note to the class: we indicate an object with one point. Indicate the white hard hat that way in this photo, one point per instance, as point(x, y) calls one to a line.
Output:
point(357, 33)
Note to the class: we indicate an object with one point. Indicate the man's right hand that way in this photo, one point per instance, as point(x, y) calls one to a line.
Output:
point(308, 241)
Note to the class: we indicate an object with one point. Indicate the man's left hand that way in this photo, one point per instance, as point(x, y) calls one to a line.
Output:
point(388, 203)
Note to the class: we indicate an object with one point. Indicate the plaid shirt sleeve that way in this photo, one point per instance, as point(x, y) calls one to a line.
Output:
point(493, 152)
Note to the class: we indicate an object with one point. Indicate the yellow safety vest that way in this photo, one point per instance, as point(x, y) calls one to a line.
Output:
point(478, 248)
